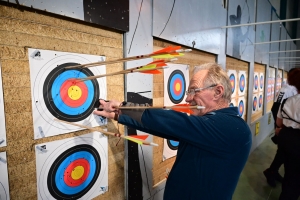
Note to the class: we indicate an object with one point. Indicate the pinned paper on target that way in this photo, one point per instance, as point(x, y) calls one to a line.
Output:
point(56, 93)
point(261, 82)
point(3, 142)
point(242, 83)
point(176, 79)
point(260, 101)
point(256, 82)
point(241, 107)
point(254, 103)
point(4, 186)
point(73, 168)
point(233, 81)
point(170, 149)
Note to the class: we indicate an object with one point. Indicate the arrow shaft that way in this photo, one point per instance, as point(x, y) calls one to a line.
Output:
point(98, 129)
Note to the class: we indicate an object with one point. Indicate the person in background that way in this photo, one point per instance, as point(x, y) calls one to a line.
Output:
point(288, 131)
point(214, 142)
point(272, 173)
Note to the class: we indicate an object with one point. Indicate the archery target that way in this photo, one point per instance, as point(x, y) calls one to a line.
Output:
point(255, 82)
point(260, 101)
point(4, 187)
point(73, 168)
point(233, 81)
point(2, 117)
point(175, 83)
point(261, 81)
point(254, 103)
point(170, 148)
point(242, 83)
point(57, 94)
point(241, 107)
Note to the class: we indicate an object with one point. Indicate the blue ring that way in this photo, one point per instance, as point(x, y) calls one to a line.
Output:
point(256, 80)
point(253, 107)
point(241, 104)
point(174, 143)
point(242, 87)
point(174, 96)
point(59, 180)
point(56, 90)
point(232, 78)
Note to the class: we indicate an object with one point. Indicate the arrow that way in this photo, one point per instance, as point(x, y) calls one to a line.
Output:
point(179, 107)
point(150, 68)
point(168, 52)
point(98, 129)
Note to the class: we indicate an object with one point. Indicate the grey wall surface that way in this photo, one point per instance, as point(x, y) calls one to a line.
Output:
point(282, 46)
point(194, 23)
point(262, 33)
point(275, 36)
point(240, 39)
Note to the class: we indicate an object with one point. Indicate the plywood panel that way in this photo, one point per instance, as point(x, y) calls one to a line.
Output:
point(241, 92)
point(20, 30)
point(258, 91)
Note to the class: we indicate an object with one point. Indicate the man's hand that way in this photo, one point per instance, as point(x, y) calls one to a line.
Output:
point(107, 109)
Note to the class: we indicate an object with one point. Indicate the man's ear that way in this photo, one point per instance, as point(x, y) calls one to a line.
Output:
point(219, 90)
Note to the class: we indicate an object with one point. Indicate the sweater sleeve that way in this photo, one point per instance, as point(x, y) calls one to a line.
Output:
point(216, 132)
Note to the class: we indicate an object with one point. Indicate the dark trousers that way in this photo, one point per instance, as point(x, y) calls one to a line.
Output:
point(289, 147)
point(277, 161)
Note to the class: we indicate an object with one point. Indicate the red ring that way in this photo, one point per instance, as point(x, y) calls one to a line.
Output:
point(177, 81)
point(64, 93)
point(67, 174)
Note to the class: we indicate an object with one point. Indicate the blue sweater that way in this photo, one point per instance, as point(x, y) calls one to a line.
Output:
point(212, 152)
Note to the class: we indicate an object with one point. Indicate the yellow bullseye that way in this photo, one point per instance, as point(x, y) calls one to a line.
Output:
point(177, 87)
point(77, 172)
point(74, 92)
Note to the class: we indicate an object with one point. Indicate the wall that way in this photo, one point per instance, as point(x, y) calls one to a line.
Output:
point(19, 30)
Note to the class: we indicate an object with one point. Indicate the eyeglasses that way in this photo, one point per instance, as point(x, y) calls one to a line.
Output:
point(193, 91)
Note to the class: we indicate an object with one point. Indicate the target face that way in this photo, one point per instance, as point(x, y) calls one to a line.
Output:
point(170, 149)
point(173, 144)
point(241, 108)
point(255, 82)
point(260, 101)
point(175, 80)
point(56, 92)
point(242, 83)
point(232, 82)
point(4, 186)
point(254, 105)
point(65, 97)
point(261, 82)
point(72, 168)
point(176, 86)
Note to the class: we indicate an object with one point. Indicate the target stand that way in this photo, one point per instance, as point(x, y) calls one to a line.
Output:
point(73, 168)
point(56, 92)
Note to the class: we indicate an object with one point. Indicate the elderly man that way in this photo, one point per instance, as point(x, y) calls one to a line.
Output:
point(214, 141)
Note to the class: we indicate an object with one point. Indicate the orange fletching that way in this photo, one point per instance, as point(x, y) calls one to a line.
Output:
point(155, 71)
point(167, 49)
point(180, 108)
point(141, 137)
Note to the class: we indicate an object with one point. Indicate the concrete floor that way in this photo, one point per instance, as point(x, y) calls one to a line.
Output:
point(252, 184)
